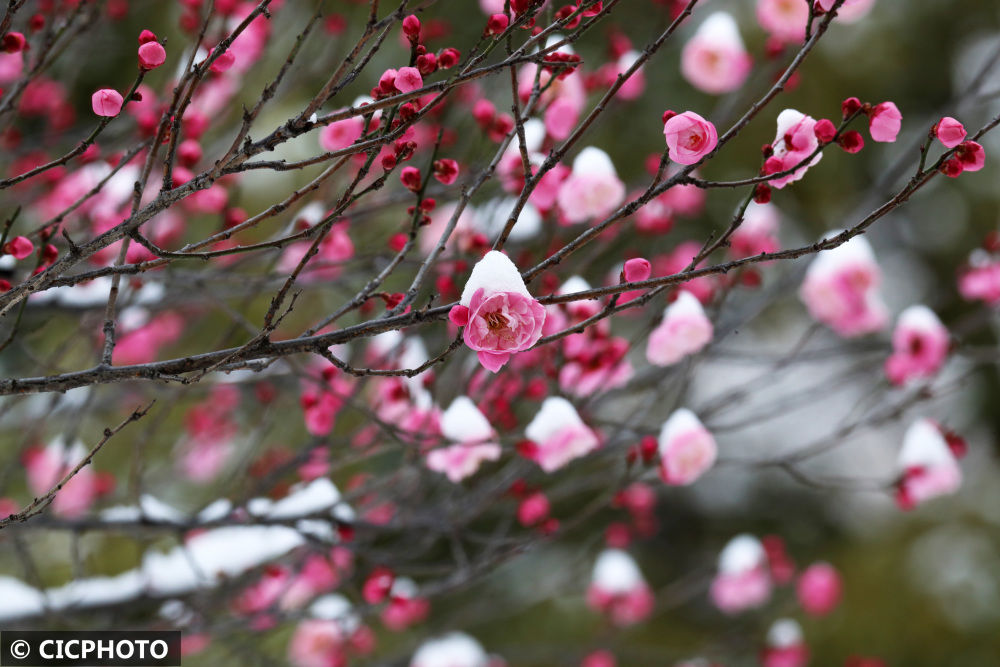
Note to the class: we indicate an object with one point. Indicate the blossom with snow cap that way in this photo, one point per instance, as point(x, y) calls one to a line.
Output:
point(686, 448)
point(618, 589)
point(452, 650)
point(685, 330)
point(499, 315)
point(715, 60)
point(557, 435)
point(463, 424)
point(919, 344)
point(927, 465)
point(785, 645)
point(841, 289)
point(793, 143)
point(592, 190)
point(742, 581)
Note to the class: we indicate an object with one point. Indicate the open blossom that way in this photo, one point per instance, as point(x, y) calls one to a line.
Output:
point(742, 581)
point(685, 330)
point(794, 142)
point(686, 448)
point(463, 424)
point(785, 20)
point(557, 435)
point(841, 289)
point(920, 345)
point(689, 137)
point(499, 315)
point(618, 589)
point(785, 645)
point(452, 650)
point(927, 465)
point(981, 280)
point(819, 589)
point(884, 122)
point(592, 190)
point(715, 60)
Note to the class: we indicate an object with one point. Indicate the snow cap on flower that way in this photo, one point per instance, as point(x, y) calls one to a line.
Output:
point(453, 650)
point(463, 422)
point(686, 448)
point(742, 553)
point(616, 572)
point(495, 272)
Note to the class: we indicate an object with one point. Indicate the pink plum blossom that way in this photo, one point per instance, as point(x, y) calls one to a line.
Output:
point(981, 280)
point(405, 607)
point(920, 345)
point(785, 20)
point(715, 60)
point(592, 190)
point(928, 467)
point(463, 424)
point(950, 132)
point(742, 581)
point(152, 55)
point(841, 289)
point(636, 269)
point(563, 99)
point(757, 233)
point(618, 589)
point(408, 79)
point(785, 645)
point(342, 133)
point(685, 330)
point(499, 315)
point(884, 122)
point(686, 448)
point(794, 142)
point(558, 435)
point(452, 650)
point(46, 467)
point(819, 589)
point(107, 102)
point(689, 137)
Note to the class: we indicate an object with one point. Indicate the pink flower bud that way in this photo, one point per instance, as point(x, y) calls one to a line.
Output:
point(19, 246)
point(884, 122)
point(410, 178)
point(636, 270)
point(533, 509)
point(106, 102)
point(819, 589)
point(497, 24)
point(411, 28)
point(147, 36)
point(825, 130)
point(13, 42)
point(223, 62)
point(446, 171)
point(151, 55)
point(448, 58)
point(949, 132)
point(849, 106)
point(851, 141)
